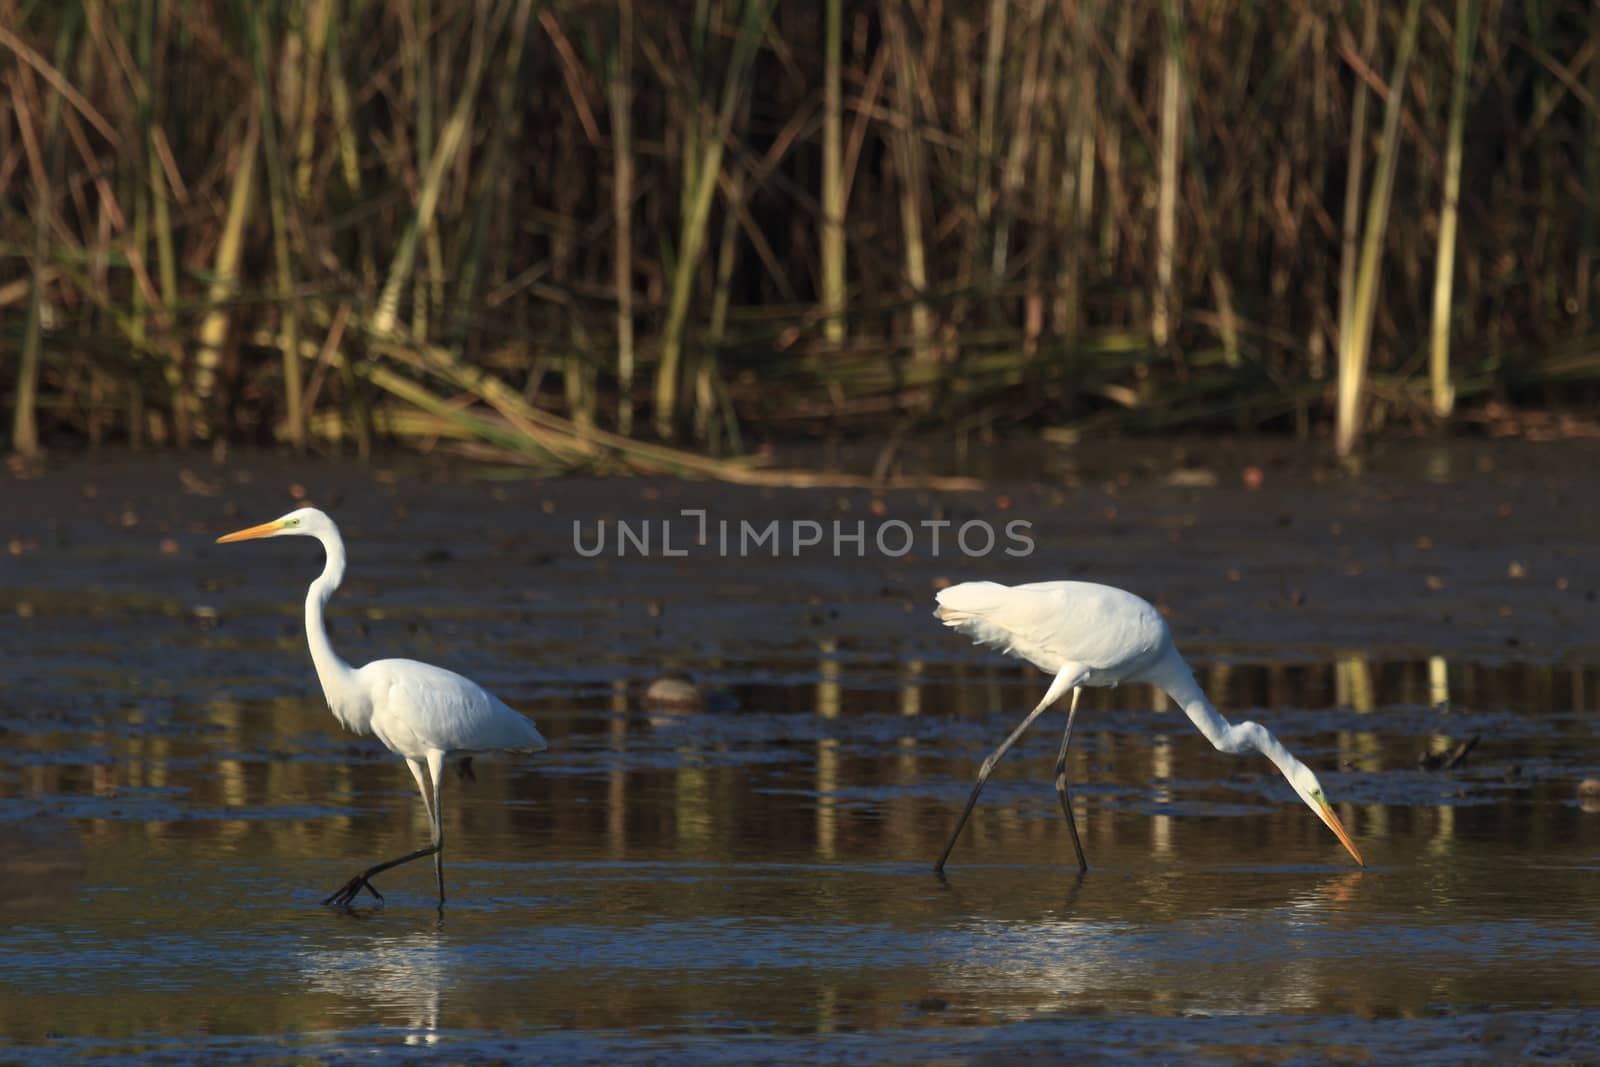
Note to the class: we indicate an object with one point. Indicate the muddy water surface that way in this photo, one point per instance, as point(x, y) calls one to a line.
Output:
point(750, 879)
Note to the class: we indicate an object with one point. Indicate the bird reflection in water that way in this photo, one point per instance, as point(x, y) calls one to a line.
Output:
point(386, 981)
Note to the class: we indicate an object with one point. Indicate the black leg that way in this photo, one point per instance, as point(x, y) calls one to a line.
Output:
point(1061, 784)
point(1068, 678)
point(352, 889)
point(983, 777)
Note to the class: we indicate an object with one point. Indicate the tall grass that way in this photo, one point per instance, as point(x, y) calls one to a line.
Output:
point(1466, 27)
point(499, 226)
point(1356, 344)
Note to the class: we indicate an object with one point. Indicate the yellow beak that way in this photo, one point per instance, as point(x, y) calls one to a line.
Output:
point(1325, 813)
point(252, 533)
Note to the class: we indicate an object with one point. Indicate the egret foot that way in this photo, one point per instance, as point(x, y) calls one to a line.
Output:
point(352, 889)
point(348, 892)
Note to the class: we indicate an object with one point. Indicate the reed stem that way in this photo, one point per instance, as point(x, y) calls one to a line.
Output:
point(277, 197)
point(1443, 393)
point(621, 99)
point(833, 208)
point(1353, 351)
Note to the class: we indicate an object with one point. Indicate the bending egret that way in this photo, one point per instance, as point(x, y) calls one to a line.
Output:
point(1088, 634)
point(419, 711)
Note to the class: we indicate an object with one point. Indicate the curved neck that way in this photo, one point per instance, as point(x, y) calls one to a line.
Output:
point(334, 673)
point(1174, 675)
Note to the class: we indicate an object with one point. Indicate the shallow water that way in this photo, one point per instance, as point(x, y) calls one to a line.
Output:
point(751, 880)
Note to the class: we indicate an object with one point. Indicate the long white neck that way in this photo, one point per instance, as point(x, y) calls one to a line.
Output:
point(339, 685)
point(1173, 674)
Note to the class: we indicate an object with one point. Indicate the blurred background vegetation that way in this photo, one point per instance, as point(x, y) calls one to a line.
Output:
point(656, 236)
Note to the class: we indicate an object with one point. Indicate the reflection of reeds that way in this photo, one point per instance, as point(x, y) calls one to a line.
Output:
point(708, 219)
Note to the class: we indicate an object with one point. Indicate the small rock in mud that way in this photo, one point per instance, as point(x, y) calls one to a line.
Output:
point(673, 692)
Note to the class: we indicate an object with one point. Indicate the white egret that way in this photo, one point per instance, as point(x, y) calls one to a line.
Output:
point(419, 711)
point(1088, 634)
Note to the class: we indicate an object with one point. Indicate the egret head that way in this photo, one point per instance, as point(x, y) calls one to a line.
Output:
point(303, 522)
point(1305, 783)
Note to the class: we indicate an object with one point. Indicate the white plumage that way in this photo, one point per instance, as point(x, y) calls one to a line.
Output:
point(1088, 634)
point(1109, 631)
point(419, 711)
point(419, 708)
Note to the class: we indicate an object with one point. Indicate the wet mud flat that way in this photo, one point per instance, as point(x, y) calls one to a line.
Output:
point(745, 875)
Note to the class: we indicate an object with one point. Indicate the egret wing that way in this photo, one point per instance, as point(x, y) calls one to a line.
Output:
point(1054, 623)
point(419, 708)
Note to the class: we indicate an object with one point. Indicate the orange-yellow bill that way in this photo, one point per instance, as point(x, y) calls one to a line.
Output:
point(1325, 812)
point(253, 532)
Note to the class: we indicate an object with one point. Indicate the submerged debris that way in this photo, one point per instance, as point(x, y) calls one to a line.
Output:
point(1447, 761)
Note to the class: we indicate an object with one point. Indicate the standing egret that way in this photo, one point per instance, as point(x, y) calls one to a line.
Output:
point(419, 711)
point(1088, 634)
